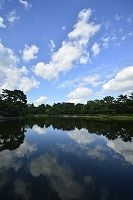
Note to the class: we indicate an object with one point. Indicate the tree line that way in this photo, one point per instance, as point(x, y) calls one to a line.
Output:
point(14, 103)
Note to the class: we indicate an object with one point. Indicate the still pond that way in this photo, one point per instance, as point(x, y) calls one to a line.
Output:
point(66, 159)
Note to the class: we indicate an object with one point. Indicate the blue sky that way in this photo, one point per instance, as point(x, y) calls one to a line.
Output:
point(66, 50)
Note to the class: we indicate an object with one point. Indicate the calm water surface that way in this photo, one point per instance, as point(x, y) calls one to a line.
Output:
point(66, 159)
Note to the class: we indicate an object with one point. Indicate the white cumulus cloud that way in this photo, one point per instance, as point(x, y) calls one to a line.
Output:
point(11, 76)
point(123, 81)
point(79, 95)
point(95, 49)
point(93, 80)
point(40, 100)
point(27, 83)
point(72, 50)
point(29, 52)
point(84, 58)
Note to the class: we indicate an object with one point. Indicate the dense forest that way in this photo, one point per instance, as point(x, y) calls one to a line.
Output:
point(14, 104)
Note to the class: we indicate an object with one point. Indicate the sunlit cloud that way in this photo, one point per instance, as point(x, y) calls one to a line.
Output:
point(73, 49)
point(93, 80)
point(82, 81)
point(40, 100)
point(85, 58)
point(27, 83)
point(79, 95)
point(29, 52)
point(12, 76)
point(95, 49)
point(122, 82)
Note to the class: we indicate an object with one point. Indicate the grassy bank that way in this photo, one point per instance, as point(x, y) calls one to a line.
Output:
point(112, 117)
point(95, 116)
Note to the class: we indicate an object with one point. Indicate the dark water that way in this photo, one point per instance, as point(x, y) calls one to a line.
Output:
point(66, 159)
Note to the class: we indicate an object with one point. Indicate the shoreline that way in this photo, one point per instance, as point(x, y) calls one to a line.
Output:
point(9, 118)
point(97, 116)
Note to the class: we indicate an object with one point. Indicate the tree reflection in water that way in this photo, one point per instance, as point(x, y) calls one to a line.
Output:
point(64, 158)
point(110, 129)
point(11, 134)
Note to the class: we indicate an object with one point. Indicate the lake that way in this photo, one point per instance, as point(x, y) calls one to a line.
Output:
point(66, 158)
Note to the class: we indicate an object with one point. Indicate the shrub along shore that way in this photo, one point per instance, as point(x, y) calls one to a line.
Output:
point(95, 116)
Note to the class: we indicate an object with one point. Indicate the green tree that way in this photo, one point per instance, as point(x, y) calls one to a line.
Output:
point(130, 104)
point(122, 104)
point(13, 103)
point(41, 109)
point(109, 105)
point(14, 96)
point(122, 98)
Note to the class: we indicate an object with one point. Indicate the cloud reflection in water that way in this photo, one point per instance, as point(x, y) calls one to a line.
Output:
point(61, 177)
